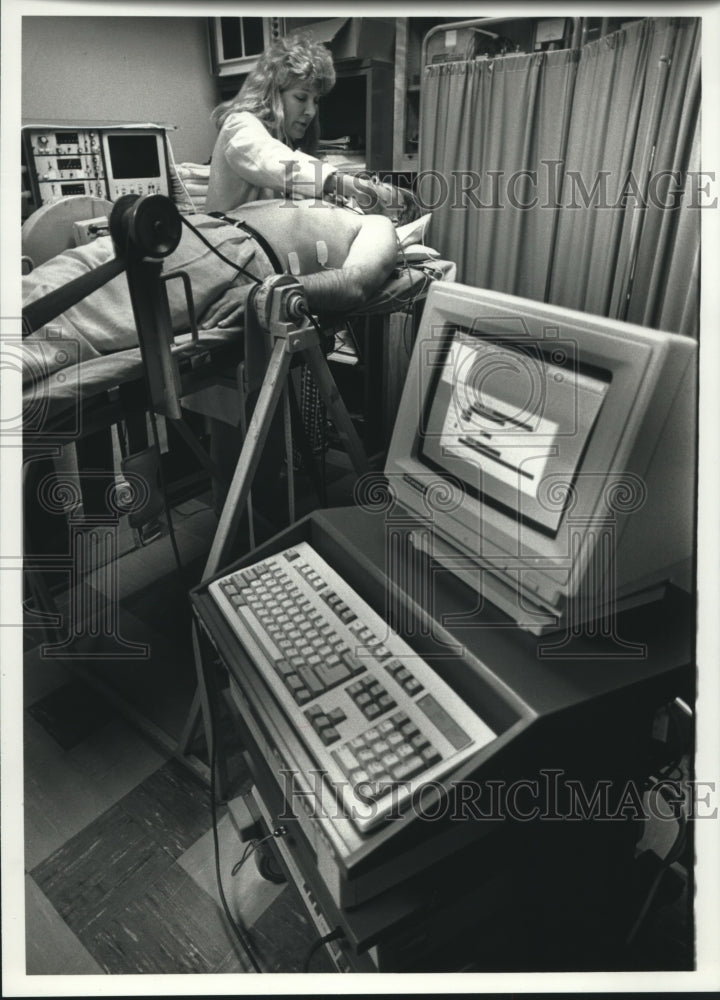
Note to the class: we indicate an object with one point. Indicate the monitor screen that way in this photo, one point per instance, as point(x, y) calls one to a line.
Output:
point(498, 418)
point(133, 156)
point(566, 442)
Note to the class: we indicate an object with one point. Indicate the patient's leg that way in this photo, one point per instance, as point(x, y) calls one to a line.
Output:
point(342, 257)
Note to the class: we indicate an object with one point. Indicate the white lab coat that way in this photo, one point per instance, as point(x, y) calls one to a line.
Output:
point(249, 165)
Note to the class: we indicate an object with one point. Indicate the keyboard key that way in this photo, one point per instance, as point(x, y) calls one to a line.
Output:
point(336, 716)
point(430, 756)
point(418, 741)
point(330, 676)
point(408, 768)
point(354, 665)
point(329, 735)
point(346, 760)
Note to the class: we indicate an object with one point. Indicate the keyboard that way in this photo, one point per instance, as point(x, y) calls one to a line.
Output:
point(377, 719)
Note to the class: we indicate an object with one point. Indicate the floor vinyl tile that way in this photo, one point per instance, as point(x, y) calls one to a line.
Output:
point(171, 926)
point(139, 568)
point(71, 713)
point(100, 870)
point(202, 523)
point(284, 935)
point(248, 894)
point(160, 684)
point(93, 627)
point(60, 799)
point(51, 948)
point(171, 806)
point(116, 759)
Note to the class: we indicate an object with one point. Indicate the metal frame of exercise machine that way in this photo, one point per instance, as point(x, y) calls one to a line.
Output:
point(278, 330)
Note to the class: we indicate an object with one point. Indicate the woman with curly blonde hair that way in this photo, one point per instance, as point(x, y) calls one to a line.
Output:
point(269, 132)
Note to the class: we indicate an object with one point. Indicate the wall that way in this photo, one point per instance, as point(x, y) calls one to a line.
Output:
point(122, 69)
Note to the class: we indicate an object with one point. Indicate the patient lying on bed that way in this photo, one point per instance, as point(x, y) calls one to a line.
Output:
point(341, 258)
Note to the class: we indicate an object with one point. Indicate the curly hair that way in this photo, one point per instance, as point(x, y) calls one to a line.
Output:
point(294, 60)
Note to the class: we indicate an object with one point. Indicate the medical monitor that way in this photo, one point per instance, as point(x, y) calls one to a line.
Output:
point(548, 455)
point(135, 161)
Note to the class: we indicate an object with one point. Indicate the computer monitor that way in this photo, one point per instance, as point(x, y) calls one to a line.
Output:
point(548, 455)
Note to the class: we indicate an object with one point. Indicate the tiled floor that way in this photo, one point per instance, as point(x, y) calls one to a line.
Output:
point(119, 846)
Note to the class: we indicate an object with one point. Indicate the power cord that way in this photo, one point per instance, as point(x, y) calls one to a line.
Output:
point(231, 263)
point(326, 939)
point(279, 831)
point(212, 734)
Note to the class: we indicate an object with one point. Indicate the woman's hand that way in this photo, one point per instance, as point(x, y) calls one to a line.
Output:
point(372, 197)
point(228, 310)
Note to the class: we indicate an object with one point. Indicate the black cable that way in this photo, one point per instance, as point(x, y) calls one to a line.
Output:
point(675, 852)
point(208, 244)
point(212, 734)
point(250, 849)
point(326, 939)
point(305, 311)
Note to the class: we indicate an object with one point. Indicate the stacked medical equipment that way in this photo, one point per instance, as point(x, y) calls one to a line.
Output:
point(103, 159)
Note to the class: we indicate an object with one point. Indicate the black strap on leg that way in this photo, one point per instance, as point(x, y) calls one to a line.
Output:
point(258, 237)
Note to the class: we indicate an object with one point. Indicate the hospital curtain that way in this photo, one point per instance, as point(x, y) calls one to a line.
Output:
point(619, 252)
point(596, 132)
point(664, 292)
point(492, 134)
